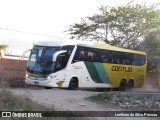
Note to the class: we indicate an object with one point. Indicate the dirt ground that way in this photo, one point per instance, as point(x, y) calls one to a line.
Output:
point(68, 100)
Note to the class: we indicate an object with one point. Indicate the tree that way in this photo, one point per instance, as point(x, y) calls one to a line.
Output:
point(151, 45)
point(123, 26)
point(3, 47)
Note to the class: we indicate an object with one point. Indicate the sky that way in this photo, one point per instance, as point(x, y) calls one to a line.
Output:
point(24, 22)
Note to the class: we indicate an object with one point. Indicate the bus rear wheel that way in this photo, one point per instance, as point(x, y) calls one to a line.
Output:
point(73, 84)
point(130, 85)
point(122, 86)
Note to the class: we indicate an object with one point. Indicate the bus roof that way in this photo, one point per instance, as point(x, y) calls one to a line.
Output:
point(92, 44)
point(63, 42)
point(110, 47)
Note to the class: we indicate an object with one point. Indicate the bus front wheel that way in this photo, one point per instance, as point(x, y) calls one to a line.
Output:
point(73, 84)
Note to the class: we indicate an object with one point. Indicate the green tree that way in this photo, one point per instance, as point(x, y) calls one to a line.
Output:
point(151, 45)
point(3, 47)
point(123, 26)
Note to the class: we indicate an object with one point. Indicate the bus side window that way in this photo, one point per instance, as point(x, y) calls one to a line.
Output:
point(97, 55)
point(109, 60)
point(127, 59)
point(69, 49)
point(139, 59)
point(60, 62)
point(104, 56)
point(103, 59)
point(115, 58)
point(81, 56)
point(89, 58)
point(90, 55)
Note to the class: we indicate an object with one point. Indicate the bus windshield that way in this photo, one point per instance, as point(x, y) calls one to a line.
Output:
point(40, 60)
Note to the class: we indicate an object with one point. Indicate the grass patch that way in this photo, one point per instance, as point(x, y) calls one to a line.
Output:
point(10, 102)
point(104, 97)
point(131, 102)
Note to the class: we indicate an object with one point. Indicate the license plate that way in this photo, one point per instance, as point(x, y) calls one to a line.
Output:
point(36, 82)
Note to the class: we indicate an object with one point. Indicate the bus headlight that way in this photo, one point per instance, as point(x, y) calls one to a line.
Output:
point(26, 74)
point(49, 77)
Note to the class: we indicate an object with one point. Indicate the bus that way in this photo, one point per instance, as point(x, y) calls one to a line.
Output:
point(85, 64)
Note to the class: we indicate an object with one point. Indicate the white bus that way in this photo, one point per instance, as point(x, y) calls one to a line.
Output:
point(72, 64)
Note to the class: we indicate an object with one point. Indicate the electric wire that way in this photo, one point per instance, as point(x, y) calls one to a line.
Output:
point(6, 29)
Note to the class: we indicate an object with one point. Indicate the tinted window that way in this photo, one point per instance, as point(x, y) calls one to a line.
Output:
point(69, 49)
point(80, 54)
point(108, 56)
point(67, 55)
point(40, 60)
point(139, 59)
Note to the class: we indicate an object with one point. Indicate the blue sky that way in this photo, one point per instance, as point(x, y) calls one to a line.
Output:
point(47, 17)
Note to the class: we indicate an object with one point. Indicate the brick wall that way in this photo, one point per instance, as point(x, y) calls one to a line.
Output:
point(12, 71)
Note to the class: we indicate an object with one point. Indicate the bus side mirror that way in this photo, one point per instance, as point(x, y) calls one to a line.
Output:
point(23, 55)
point(56, 54)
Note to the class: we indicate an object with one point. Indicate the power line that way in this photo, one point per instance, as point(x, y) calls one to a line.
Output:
point(26, 32)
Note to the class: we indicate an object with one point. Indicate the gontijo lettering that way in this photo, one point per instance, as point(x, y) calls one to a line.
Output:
point(121, 69)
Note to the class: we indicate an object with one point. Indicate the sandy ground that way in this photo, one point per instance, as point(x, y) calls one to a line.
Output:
point(68, 100)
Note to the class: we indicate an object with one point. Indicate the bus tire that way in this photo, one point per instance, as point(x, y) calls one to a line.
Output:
point(48, 87)
point(73, 84)
point(130, 85)
point(122, 86)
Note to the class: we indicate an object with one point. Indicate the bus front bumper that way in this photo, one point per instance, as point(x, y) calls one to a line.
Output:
point(37, 82)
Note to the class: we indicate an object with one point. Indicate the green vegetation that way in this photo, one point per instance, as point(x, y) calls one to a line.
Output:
point(3, 47)
point(151, 45)
point(132, 102)
point(124, 26)
point(104, 97)
point(9, 102)
point(133, 26)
